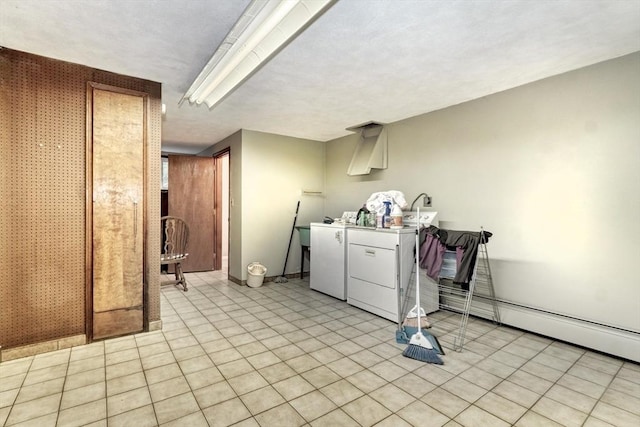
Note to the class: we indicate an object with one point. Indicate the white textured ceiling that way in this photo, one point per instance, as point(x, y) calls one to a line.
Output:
point(362, 60)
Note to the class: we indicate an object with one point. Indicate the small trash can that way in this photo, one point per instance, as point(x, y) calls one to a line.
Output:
point(256, 272)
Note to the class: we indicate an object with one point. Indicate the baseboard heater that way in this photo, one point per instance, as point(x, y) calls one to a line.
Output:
point(609, 339)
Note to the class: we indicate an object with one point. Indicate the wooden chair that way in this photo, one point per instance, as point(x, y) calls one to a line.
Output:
point(175, 237)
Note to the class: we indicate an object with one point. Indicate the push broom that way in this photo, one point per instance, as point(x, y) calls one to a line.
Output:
point(419, 347)
point(283, 278)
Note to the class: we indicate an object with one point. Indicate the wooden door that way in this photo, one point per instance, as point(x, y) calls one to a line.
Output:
point(191, 189)
point(117, 150)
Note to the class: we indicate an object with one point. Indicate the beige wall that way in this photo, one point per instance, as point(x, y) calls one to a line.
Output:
point(267, 174)
point(275, 170)
point(234, 144)
point(552, 168)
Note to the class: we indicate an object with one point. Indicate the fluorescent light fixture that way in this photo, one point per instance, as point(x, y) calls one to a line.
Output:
point(263, 29)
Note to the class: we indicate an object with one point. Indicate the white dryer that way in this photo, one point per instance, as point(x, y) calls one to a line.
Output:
point(380, 267)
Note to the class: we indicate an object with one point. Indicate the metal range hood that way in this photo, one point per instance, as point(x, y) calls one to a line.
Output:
point(371, 151)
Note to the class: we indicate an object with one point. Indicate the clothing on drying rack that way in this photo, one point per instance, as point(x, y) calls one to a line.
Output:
point(435, 243)
point(431, 254)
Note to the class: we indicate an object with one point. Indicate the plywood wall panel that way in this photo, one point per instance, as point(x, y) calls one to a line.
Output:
point(118, 199)
point(152, 183)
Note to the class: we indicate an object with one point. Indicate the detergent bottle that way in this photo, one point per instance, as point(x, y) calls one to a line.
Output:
point(386, 217)
point(396, 217)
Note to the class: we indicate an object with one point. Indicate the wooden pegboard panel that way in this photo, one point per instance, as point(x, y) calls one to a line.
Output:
point(42, 208)
point(153, 204)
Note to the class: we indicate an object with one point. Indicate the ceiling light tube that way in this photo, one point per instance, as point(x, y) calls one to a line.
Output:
point(264, 28)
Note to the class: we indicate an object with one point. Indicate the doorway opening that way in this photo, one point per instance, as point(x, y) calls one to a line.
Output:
point(221, 210)
point(197, 190)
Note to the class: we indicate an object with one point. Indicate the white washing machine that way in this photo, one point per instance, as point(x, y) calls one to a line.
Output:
point(329, 258)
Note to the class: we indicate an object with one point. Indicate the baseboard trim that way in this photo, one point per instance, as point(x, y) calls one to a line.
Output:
point(42, 347)
point(155, 325)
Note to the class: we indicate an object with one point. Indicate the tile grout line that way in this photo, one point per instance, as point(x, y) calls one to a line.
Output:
point(146, 381)
point(606, 388)
point(20, 389)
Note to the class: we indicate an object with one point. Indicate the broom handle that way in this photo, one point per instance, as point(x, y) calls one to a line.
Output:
point(418, 271)
point(286, 258)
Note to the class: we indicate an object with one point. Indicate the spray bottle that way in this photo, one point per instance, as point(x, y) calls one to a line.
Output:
point(386, 217)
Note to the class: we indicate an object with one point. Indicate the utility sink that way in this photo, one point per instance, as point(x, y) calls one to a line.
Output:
point(305, 235)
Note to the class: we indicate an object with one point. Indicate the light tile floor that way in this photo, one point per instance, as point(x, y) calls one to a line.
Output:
point(283, 355)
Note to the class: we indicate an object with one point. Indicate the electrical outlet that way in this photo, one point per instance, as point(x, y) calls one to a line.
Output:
point(426, 202)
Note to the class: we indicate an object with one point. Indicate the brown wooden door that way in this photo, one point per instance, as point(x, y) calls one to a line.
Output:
point(191, 184)
point(117, 147)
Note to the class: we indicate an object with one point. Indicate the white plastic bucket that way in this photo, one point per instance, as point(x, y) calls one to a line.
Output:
point(256, 272)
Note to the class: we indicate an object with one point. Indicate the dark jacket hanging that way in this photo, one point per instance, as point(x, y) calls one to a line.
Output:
point(436, 241)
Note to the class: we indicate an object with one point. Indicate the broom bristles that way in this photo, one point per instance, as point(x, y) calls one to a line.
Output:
point(422, 354)
point(281, 279)
point(421, 349)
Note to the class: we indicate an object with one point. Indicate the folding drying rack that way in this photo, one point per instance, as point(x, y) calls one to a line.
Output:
point(453, 297)
point(479, 299)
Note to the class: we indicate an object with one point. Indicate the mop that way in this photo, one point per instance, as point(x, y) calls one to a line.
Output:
point(283, 278)
point(420, 348)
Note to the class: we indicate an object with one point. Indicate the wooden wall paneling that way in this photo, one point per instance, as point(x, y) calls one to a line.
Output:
point(152, 209)
point(191, 197)
point(118, 125)
point(6, 203)
point(22, 248)
point(61, 196)
point(41, 199)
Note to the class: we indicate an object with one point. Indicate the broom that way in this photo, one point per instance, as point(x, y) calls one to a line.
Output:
point(283, 278)
point(410, 324)
point(419, 346)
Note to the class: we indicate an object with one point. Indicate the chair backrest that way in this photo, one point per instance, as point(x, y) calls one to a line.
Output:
point(175, 233)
